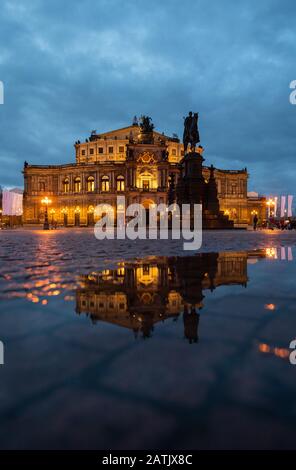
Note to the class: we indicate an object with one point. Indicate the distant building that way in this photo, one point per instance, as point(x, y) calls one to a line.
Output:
point(256, 206)
point(119, 163)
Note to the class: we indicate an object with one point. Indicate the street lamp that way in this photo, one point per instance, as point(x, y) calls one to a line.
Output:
point(270, 203)
point(46, 202)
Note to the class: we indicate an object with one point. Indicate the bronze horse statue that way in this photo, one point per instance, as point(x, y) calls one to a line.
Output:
point(191, 134)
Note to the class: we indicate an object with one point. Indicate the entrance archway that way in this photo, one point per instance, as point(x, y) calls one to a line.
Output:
point(147, 203)
point(65, 216)
point(146, 181)
point(77, 217)
point(90, 216)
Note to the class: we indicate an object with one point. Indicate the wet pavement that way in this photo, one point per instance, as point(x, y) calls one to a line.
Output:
point(140, 345)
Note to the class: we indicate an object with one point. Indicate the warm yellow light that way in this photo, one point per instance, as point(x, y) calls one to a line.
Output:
point(52, 211)
point(270, 202)
point(64, 210)
point(77, 210)
point(282, 353)
point(271, 252)
point(46, 201)
point(269, 307)
point(264, 348)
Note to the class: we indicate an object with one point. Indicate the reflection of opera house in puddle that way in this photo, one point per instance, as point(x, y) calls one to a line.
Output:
point(136, 295)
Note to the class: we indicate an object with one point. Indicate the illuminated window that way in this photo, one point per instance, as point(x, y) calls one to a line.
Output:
point(90, 182)
point(105, 183)
point(121, 149)
point(120, 183)
point(77, 184)
point(110, 149)
point(233, 189)
point(101, 149)
point(66, 185)
point(174, 152)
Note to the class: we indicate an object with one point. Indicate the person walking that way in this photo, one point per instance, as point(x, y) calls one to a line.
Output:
point(255, 222)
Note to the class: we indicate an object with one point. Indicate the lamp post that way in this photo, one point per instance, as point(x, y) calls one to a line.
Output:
point(270, 203)
point(46, 202)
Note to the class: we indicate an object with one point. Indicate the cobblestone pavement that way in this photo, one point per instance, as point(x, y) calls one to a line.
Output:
point(78, 248)
point(67, 383)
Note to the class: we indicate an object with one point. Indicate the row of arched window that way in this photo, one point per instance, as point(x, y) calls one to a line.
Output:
point(90, 184)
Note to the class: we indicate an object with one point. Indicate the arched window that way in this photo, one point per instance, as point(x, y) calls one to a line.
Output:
point(105, 183)
point(77, 185)
point(90, 184)
point(41, 186)
point(120, 183)
point(66, 185)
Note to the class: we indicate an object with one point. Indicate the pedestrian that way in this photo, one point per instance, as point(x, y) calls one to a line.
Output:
point(255, 222)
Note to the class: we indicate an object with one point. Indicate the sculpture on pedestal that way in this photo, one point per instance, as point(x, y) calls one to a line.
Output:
point(192, 187)
point(146, 124)
point(191, 133)
point(146, 130)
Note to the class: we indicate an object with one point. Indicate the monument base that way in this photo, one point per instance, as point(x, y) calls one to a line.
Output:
point(193, 189)
point(213, 220)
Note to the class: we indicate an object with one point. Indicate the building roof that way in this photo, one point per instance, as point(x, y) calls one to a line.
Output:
point(124, 132)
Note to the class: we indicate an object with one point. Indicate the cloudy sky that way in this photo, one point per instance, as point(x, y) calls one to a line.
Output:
point(70, 66)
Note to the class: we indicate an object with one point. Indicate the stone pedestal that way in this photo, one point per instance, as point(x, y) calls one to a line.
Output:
point(192, 189)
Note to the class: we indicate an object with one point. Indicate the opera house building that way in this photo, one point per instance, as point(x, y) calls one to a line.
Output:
point(120, 163)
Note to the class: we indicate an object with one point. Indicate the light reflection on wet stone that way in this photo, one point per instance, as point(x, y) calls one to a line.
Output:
point(209, 367)
point(137, 295)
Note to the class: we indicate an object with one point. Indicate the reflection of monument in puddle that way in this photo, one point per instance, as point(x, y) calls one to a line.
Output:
point(139, 294)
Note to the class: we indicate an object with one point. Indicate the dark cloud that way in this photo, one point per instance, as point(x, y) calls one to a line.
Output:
point(69, 67)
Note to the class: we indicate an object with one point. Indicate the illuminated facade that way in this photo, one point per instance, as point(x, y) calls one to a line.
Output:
point(118, 163)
